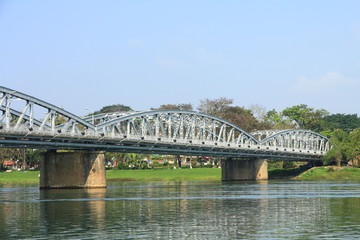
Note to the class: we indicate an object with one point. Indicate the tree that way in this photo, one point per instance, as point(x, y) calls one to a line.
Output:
point(114, 108)
point(345, 149)
point(243, 118)
point(305, 117)
point(33, 157)
point(353, 150)
point(216, 107)
point(181, 106)
point(135, 160)
point(333, 156)
point(338, 152)
point(30, 156)
point(276, 120)
point(259, 112)
point(236, 115)
point(345, 122)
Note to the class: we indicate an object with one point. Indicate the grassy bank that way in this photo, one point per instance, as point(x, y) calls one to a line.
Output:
point(195, 174)
point(198, 174)
point(20, 177)
point(331, 173)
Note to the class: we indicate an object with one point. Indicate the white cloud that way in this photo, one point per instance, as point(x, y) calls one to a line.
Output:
point(329, 82)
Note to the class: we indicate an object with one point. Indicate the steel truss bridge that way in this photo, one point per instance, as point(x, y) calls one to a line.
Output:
point(28, 122)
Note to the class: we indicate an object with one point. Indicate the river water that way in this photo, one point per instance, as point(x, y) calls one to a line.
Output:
point(184, 210)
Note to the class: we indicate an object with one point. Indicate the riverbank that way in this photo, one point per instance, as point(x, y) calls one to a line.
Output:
point(186, 174)
point(20, 177)
point(199, 174)
point(330, 173)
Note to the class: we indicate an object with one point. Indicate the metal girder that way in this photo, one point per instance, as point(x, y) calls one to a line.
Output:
point(21, 112)
point(300, 139)
point(176, 125)
point(105, 117)
point(26, 121)
point(146, 147)
point(25, 118)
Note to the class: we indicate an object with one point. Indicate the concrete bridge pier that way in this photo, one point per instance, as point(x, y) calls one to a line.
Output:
point(72, 170)
point(251, 169)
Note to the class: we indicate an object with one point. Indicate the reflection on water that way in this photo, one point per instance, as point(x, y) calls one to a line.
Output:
point(72, 210)
point(191, 210)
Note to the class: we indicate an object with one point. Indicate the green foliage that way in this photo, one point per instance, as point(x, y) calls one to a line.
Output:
point(273, 117)
point(275, 164)
point(276, 120)
point(337, 154)
point(299, 116)
point(10, 153)
point(272, 164)
point(327, 133)
point(114, 108)
point(156, 164)
point(157, 157)
point(136, 161)
point(280, 173)
point(182, 106)
point(345, 122)
point(243, 117)
point(306, 117)
point(289, 165)
point(34, 155)
point(236, 115)
point(346, 148)
point(208, 166)
point(331, 173)
point(353, 151)
point(124, 160)
point(333, 157)
point(122, 166)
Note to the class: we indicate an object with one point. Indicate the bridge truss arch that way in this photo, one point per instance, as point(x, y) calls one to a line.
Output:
point(294, 139)
point(28, 122)
point(21, 113)
point(173, 126)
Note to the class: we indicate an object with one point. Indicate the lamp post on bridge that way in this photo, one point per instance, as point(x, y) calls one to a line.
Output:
point(92, 114)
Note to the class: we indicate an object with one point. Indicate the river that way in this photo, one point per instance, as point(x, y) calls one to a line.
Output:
point(184, 210)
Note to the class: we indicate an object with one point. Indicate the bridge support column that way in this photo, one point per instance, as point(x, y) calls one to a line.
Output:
point(252, 169)
point(72, 170)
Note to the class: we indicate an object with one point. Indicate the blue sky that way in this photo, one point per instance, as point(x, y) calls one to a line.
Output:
point(78, 54)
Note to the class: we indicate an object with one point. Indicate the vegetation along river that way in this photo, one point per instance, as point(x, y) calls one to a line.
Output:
point(184, 210)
